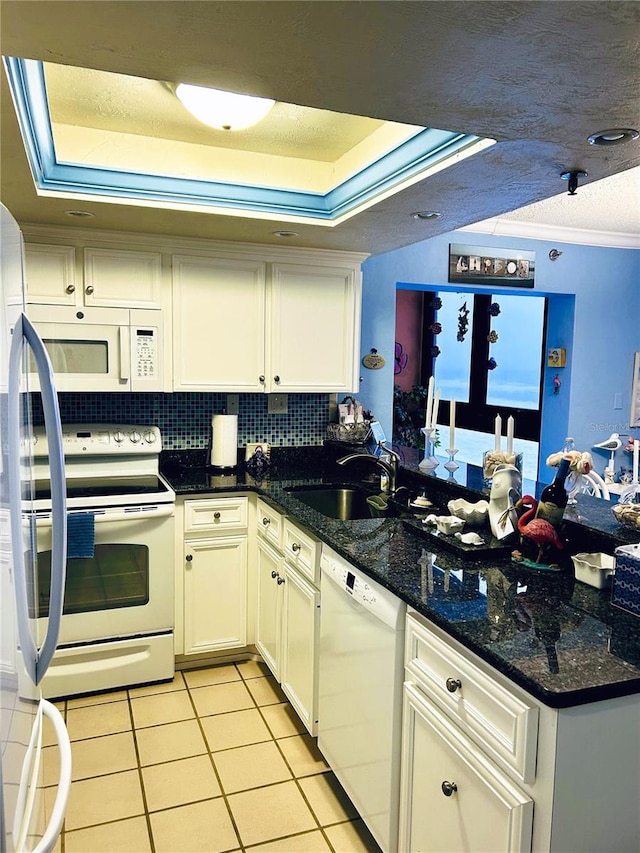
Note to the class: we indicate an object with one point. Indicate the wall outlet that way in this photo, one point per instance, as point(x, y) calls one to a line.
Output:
point(233, 404)
point(617, 400)
point(277, 404)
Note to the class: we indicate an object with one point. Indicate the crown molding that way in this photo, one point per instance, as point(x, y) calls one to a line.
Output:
point(554, 233)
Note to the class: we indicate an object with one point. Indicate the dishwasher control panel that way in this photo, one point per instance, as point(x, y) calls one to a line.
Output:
point(364, 590)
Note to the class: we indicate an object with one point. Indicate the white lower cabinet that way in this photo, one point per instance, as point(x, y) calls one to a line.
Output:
point(215, 570)
point(452, 797)
point(288, 613)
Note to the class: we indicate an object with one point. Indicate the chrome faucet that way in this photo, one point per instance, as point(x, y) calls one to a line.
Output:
point(390, 468)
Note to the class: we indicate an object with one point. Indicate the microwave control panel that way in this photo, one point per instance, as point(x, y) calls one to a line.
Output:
point(145, 353)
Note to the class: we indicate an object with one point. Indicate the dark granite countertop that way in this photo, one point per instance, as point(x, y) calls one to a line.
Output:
point(559, 639)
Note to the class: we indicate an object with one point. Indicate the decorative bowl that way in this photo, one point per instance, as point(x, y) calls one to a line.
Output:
point(475, 514)
point(449, 524)
point(594, 569)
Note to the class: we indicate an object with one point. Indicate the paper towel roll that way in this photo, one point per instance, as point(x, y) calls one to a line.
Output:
point(224, 441)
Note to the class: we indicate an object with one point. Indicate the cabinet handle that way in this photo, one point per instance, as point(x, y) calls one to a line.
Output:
point(70, 288)
point(216, 515)
point(280, 580)
point(274, 574)
point(449, 788)
point(189, 558)
point(89, 289)
point(453, 684)
point(295, 547)
point(262, 379)
point(266, 521)
point(276, 379)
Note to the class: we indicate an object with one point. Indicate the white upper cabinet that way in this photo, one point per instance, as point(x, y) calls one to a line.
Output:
point(255, 324)
point(109, 278)
point(218, 324)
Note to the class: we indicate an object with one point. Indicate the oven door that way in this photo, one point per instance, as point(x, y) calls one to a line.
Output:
point(126, 588)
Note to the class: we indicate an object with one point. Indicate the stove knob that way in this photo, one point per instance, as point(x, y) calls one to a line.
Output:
point(118, 436)
point(149, 436)
point(135, 436)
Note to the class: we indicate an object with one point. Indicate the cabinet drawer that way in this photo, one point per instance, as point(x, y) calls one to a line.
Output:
point(504, 724)
point(214, 514)
point(269, 523)
point(301, 550)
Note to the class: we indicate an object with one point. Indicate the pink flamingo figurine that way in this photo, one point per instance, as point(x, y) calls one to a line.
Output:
point(539, 531)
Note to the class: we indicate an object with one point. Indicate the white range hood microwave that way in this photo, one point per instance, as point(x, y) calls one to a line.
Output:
point(101, 349)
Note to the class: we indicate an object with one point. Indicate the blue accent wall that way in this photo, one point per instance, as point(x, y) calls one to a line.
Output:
point(594, 299)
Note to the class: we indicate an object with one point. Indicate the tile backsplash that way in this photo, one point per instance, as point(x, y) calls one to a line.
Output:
point(184, 419)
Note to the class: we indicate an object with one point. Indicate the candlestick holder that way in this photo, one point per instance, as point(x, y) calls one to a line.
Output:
point(429, 462)
point(451, 465)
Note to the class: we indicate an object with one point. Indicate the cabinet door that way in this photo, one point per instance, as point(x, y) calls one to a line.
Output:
point(120, 278)
point(215, 594)
point(314, 328)
point(218, 316)
point(300, 626)
point(50, 273)
point(452, 797)
point(269, 610)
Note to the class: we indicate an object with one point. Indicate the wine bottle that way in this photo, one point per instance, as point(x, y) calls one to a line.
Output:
point(554, 497)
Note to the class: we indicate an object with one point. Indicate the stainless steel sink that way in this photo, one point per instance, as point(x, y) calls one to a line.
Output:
point(346, 503)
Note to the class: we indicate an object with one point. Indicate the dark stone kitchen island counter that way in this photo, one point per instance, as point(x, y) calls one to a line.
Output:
point(559, 639)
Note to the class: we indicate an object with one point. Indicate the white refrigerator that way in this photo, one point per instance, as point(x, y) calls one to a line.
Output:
point(27, 823)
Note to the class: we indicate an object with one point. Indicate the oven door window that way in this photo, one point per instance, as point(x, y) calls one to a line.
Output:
point(116, 576)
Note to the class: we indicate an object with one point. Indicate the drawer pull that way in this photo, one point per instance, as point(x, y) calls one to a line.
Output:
point(261, 379)
point(280, 580)
point(89, 289)
point(449, 788)
point(453, 684)
point(216, 515)
point(274, 574)
point(295, 547)
point(70, 288)
point(266, 521)
point(276, 379)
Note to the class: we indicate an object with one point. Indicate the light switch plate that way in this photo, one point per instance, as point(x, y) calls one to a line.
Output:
point(277, 404)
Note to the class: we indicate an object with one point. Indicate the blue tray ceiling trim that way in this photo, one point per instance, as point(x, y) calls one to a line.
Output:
point(426, 148)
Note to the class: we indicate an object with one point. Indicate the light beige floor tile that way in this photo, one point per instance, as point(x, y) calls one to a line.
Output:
point(93, 757)
point(302, 755)
point(327, 799)
point(96, 720)
point(123, 836)
point(253, 669)
point(282, 720)
point(220, 698)
point(169, 742)
point(250, 766)
point(266, 691)
point(198, 828)
point(162, 708)
point(96, 699)
point(177, 683)
point(179, 782)
point(237, 728)
point(269, 813)
point(104, 799)
point(309, 842)
point(213, 675)
point(352, 837)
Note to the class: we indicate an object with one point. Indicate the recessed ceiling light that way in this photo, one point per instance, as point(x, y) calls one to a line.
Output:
point(223, 110)
point(613, 136)
point(286, 233)
point(80, 214)
point(426, 214)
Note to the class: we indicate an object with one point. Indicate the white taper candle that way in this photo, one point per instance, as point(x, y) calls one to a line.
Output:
point(434, 413)
point(452, 426)
point(510, 431)
point(427, 420)
point(498, 432)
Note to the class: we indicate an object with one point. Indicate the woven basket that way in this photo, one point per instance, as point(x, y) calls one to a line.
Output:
point(349, 433)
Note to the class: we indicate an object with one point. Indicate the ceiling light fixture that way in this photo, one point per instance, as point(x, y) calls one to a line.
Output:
point(223, 110)
point(614, 136)
point(426, 214)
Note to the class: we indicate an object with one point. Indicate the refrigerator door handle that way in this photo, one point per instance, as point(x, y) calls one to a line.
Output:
point(37, 663)
point(52, 832)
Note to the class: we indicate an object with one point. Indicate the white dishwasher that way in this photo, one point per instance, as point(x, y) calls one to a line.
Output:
point(360, 692)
